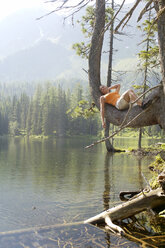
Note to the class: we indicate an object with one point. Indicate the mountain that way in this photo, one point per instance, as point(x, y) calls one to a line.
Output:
point(37, 50)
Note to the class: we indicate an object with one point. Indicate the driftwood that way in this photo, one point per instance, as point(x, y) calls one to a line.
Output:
point(145, 200)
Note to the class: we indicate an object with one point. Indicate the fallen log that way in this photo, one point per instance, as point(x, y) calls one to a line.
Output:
point(139, 203)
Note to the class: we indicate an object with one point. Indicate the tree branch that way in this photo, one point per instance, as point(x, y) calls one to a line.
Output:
point(127, 16)
point(121, 128)
point(161, 11)
point(144, 10)
point(113, 227)
point(112, 20)
point(80, 5)
point(126, 125)
point(131, 104)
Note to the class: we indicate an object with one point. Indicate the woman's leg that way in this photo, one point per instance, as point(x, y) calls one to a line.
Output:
point(130, 96)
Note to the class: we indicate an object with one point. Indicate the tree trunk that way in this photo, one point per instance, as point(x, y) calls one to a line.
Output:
point(159, 5)
point(140, 138)
point(145, 80)
point(109, 145)
point(95, 51)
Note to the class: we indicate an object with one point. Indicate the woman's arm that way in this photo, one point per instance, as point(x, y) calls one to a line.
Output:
point(102, 104)
point(116, 86)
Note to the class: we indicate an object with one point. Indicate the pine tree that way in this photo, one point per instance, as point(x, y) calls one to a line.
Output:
point(148, 57)
point(37, 112)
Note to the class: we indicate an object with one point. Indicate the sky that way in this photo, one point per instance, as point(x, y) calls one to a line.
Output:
point(8, 7)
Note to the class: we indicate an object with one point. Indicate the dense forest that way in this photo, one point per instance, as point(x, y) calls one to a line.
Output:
point(49, 110)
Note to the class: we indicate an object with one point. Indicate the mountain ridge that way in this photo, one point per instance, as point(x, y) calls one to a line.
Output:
point(41, 50)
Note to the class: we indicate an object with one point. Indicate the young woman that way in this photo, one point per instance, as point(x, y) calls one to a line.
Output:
point(114, 98)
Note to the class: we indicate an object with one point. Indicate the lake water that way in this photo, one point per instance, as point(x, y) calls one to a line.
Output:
point(49, 187)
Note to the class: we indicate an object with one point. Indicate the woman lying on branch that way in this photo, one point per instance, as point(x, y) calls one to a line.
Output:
point(121, 102)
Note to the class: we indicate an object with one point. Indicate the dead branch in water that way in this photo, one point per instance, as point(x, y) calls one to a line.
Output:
point(140, 203)
point(143, 201)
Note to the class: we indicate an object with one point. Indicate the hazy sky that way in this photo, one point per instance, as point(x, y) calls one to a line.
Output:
point(9, 6)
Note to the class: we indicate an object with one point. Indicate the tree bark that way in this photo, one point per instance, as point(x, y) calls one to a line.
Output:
point(109, 145)
point(159, 5)
point(95, 51)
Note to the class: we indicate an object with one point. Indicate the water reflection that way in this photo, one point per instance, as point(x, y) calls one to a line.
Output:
point(107, 189)
point(108, 181)
point(136, 231)
point(141, 180)
point(109, 177)
point(107, 186)
point(48, 182)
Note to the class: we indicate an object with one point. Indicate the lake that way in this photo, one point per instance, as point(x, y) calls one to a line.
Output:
point(48, 187)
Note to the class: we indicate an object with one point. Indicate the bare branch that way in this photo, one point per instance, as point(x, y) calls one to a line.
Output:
point(85, 70)
point(80, 7)
point(112, 20)
point(144, 10)
point(63, 6)
point(160, 12)
point(127, 16)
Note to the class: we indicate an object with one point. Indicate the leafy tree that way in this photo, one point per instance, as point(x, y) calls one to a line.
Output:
point(48, 109)
point(156, 114)
point(87, 25)
point(37, 112)
point(29, 119)
point(148, 58)
point(24, 103)
point(47, 113)
point(82, 49)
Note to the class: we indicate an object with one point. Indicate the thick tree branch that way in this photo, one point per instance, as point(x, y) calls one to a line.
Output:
point(116, 132)
point(131, 104)
point(141, 202)
point(123, 125)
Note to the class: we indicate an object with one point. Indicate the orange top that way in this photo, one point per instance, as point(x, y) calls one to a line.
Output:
point(112, 97)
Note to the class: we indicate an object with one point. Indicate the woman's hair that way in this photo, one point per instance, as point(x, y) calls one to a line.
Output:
point(103, 87)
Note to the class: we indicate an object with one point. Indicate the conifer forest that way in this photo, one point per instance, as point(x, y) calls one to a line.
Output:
point(47, 110)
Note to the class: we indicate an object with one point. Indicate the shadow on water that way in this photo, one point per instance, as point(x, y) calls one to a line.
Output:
point(67, 185)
